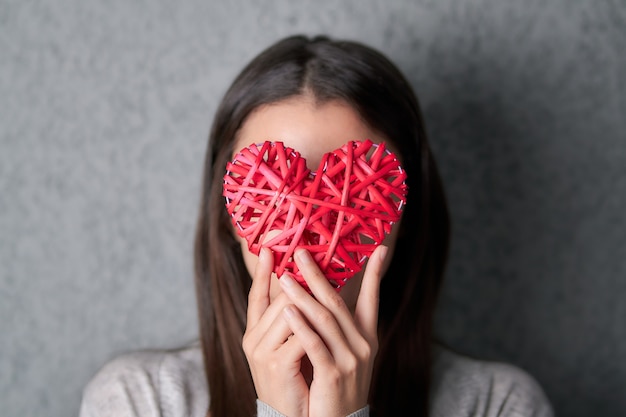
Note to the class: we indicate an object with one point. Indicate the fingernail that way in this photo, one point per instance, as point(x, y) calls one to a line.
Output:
point(383, 252)
point(303, 255)
point(289, 312)
point(286, 281)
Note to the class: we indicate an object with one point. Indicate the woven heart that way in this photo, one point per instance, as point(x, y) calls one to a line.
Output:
point(340, 213)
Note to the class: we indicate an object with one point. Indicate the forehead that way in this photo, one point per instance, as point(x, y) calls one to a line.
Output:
point(310, 128)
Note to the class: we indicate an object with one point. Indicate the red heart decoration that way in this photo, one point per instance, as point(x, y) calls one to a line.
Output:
point(340, 213)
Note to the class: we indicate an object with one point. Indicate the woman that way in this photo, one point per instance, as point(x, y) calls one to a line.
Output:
point(366, 350)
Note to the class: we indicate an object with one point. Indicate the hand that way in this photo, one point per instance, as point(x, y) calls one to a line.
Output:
point(340, 347)
point(274, 359)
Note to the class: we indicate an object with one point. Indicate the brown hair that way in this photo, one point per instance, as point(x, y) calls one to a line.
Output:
point(377, 90)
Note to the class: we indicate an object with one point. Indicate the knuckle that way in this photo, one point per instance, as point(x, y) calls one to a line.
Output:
point(324, 317)
point(273, 365)
point(335, 301)
point(254, 293)
point(373, 346)
point(316, 345)
point(366, 350)
point(253, 298)
point(258, 356)
point(334, 377)
point(371, 351)
point(350, 364)
point(318, 275)
point(246, 342)
point(372, 299)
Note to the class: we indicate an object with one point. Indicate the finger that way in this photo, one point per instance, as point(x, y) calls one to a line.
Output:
point(366, 312)
point(258, 335)
point(320, 318)
point(292, 349)
point(324, 293)
point(259, 295)
point(276, 335)
point(257, 332)
point(311, 342)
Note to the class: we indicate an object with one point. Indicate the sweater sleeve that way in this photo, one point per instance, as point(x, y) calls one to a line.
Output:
point(155, 384)
point(514, 393)
point(264, 410)
point(124, 387)
point(472, 388)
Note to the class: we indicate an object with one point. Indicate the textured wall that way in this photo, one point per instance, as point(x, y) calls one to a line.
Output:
point(104, 111)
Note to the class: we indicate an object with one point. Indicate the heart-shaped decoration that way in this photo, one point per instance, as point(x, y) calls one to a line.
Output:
point(340, 213)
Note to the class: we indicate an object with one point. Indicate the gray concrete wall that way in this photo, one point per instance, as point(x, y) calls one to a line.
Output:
point(104, 113)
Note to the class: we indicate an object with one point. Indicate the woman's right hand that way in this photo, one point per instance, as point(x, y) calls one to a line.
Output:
point(274, 358)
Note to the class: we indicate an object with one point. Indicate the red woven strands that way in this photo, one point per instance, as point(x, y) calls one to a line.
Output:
point(340, 212)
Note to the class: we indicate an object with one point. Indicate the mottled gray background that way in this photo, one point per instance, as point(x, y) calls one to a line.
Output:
point(104, 111)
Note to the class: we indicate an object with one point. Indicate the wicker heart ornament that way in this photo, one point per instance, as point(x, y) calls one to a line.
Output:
point(340, 213)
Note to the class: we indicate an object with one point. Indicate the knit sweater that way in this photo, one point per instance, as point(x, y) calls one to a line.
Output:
point(172, 383)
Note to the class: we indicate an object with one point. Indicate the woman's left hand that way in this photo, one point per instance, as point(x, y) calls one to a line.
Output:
point(341, 347)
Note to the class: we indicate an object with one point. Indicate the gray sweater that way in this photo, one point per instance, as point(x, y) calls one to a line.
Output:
point(172, 383)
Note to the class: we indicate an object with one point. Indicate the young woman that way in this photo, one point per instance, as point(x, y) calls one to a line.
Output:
point(270, 347)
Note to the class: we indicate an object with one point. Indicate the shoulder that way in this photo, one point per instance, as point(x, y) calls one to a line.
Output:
point(149, 383)
point(463, 386)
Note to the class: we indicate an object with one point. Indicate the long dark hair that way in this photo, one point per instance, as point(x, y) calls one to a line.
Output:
point(375, 88)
